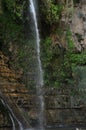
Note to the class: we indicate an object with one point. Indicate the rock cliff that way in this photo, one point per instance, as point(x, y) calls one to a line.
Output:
point(13, 92)
point(63, 44)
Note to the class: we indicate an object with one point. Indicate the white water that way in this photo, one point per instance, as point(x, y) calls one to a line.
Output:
point(12, 116)
point(19, 123)
point(13, 123)
point(37, 38)
point(40, 82)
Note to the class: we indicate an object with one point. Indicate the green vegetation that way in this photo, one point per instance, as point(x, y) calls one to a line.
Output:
point(13, 40)
point(58, 61)
point(14, 8)
point(52, 59)
point(76, 58)
point(12, 31)
point(72, 57)
point(10, 20)
point(52, 11)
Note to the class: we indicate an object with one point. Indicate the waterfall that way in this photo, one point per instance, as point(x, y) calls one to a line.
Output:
point(39, 83)
point(78, 128)
point(12, 121)
point(12, 116)
point(37, 38)
point(19, 123)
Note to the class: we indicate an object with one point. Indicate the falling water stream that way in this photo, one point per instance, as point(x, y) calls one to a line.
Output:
point(13, 123)
point(12, 116)
point(39, 83)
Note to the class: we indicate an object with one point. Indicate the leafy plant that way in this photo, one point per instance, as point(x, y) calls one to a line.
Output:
point(14, 8)
point(52, 12)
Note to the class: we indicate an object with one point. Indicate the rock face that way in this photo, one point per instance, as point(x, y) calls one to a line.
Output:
point(14, 92)
point(78, 26)
point(62, 106)
point(4, 116)
point(67, 105)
